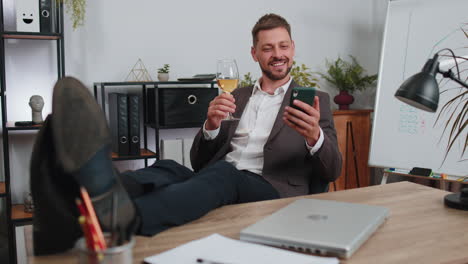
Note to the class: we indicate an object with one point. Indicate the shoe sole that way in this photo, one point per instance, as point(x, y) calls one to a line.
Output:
point(80, 127)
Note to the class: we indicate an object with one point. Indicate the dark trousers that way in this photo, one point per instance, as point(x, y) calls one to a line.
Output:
point(173, 194)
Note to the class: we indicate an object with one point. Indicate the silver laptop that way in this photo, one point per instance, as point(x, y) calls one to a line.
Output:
point(318, 226)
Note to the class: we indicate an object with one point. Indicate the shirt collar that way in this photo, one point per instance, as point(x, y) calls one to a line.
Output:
point(282, 89)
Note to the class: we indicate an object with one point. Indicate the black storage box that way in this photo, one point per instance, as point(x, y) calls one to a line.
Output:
point(180, 107)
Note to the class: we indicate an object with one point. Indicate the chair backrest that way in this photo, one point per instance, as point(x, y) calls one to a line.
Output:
point(318, 185)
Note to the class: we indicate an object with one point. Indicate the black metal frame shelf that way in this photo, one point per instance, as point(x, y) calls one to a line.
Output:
point(15, 213)
point(144, 154)
point(156, 126)
point(19, 217)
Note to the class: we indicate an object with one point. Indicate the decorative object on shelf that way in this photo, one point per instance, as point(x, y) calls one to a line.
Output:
point(77, 9)
point(27, 16)
point(303, 76)
point(163, 73)
point(198, 77)
point(138, 73)
point(46, 16)
point(37, 104)
point(343, 100)
point(347, 77)
point(28, 203)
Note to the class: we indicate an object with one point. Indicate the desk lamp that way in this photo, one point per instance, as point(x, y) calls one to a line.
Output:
point(422, 91)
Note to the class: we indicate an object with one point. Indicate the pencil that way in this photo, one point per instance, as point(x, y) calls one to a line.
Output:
point(86, 235)
point(81, 208)
point(96, 228)
point(92, 240)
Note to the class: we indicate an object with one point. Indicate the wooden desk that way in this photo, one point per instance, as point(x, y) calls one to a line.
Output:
point(419, 230)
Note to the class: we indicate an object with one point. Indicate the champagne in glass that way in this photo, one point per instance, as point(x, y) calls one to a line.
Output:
point(227, 77)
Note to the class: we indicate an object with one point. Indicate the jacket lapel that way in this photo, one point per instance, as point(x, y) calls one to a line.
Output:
point(279, 123)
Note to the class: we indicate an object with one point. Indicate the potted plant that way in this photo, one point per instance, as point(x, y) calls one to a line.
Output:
point(163, 73)
point(347, 77)
point(303, 76)
point(457, 110)
point(247, 80)
point(77, 9)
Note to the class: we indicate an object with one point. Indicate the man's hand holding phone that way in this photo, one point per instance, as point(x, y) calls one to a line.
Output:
point(304, 117)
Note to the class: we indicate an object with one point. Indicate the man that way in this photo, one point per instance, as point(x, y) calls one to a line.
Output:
point(274, 151)
point(298, 159)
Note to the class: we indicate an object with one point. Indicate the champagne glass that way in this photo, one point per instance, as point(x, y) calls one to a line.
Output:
point(227, 77)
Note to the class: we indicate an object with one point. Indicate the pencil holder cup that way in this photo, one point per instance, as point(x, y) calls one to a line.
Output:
point(122, 254)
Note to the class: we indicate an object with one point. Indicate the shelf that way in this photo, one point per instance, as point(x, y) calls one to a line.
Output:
point(151, 83)
point(353, 112)
point(19, 216)
point(30, 35)
point(144, 154)
point(15, 215)
point(190, 125)
point(2, 189)
point(11, 126)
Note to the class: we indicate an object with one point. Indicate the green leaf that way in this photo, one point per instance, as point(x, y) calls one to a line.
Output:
point(303, 75)
point(456, 123)
point(247, 81)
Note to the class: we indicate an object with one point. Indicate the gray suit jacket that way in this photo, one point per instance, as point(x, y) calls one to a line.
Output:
point(288, 165)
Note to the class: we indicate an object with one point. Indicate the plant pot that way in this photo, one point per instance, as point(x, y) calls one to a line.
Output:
point(163, 77)
point(343, 100)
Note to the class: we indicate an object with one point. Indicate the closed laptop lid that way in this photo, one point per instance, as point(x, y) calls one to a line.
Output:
point(335, 227)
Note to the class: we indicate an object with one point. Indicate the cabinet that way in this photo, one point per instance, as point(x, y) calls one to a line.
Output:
point(155, 123)
point(353, 128)
point(15, 212)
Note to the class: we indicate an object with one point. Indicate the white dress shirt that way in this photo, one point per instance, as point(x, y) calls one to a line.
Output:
point(254, 129)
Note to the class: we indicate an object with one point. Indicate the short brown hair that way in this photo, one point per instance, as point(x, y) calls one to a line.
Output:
point(269, 21)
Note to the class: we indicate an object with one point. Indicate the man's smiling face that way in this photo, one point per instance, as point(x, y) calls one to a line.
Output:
point(274, 51)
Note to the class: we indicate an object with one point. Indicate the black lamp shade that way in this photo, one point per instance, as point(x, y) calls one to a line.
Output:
point(421, 91)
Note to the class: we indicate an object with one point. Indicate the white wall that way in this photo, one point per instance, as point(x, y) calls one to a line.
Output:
point(190, 36)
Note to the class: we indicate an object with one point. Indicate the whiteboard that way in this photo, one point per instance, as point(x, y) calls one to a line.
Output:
point(402, 136)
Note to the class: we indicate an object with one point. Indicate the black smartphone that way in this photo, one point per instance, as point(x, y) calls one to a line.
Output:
point(304, 94)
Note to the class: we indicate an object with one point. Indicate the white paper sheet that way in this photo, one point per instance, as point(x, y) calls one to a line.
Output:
point(219, 249)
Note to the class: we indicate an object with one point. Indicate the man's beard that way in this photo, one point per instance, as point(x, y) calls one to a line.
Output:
point(271, 76)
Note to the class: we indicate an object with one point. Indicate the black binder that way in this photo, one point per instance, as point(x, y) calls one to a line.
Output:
point(134, 123)
point(118, 122)
point(46, 15)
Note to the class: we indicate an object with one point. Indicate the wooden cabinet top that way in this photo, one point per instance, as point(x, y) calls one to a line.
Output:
point(353, 112)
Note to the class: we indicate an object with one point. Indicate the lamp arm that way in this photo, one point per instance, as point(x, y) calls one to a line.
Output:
point(451, 75)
